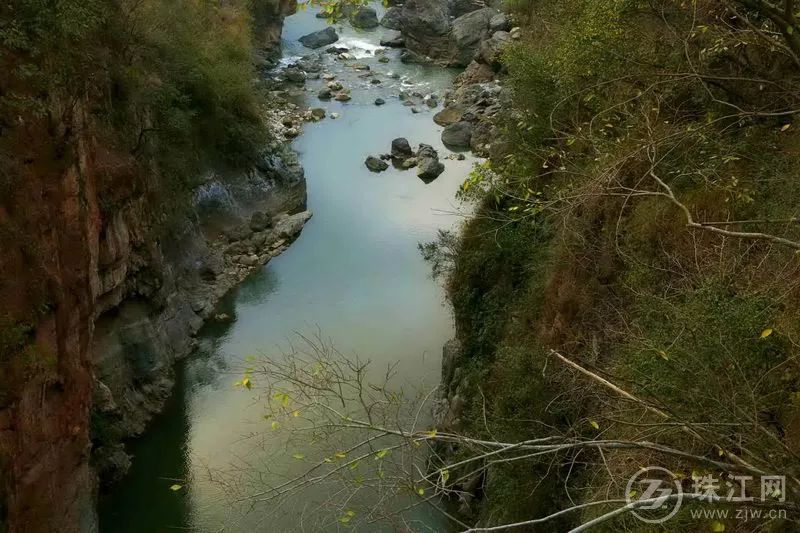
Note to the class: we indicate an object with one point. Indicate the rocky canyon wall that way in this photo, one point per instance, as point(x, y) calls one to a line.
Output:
point(102, 285)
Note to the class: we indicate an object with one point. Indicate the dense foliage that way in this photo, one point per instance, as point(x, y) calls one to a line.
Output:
point(170, 83)
point(640, 218)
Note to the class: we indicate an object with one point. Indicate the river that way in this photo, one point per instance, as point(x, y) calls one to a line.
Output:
point(355, 275)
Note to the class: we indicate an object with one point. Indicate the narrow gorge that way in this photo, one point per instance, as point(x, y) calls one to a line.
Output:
point(420, 265)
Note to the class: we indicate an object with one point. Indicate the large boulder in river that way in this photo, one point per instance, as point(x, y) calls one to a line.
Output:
point(320, 38)
point(392, 18)
point(428, 165)
point(375, 164)
point(401, 149)
point(364, 18)
point(458, 135)
point(469, 31)
point(429, 169)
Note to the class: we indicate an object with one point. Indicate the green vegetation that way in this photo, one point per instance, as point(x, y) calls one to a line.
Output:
point(168, 83)
point(640, 219)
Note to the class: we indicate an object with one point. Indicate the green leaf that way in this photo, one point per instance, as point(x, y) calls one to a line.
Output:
point(176, 487)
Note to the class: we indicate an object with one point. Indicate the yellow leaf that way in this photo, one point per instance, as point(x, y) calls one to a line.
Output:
point(445, 476)
point(766, 333)
point(340, 455)
point(786, 127)
point(717, 526)
point(275, 425)
point(295, 413)
point(594, 424)
point(421, 491)
point(663, 355)
point(247, 384)
point(432, 433)
point(299, 456)
point(327, 460)
point(381, 454)
point(176, 487)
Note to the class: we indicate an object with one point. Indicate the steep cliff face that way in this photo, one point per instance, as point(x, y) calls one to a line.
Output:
point(154, 295)
point(51, 222)
point(101, 287)
point(269, 15)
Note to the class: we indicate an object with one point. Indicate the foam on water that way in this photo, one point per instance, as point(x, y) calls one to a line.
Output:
point(288, 60)
point(359, 49)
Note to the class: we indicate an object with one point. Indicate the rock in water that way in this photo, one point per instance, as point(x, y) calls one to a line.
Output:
point(428, 165)
point(320, 38)
point(364, 18)
point(401, 149)
point(318, 113)
point(394, 40)
point(411, 162)
point(375, 164)
point(295, 75)
point(429, 169)
point(290, 226)
point(458, 135)
point(427, 151)
point(380, 101)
